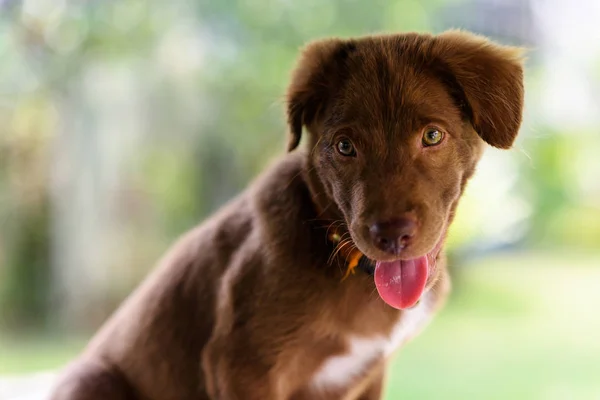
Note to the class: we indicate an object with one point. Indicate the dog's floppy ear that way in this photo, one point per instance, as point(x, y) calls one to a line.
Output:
point(490, 80)
point(319, 72)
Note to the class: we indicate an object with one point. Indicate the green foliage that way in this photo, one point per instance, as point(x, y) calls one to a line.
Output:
point(556, 180)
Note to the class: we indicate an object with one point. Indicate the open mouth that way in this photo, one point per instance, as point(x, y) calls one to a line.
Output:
point(401, 283)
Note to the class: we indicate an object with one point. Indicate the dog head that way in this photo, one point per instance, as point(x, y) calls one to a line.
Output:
point(396, 125)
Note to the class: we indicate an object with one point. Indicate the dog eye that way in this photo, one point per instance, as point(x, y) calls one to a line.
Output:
point(346, 148)
point(432, 137)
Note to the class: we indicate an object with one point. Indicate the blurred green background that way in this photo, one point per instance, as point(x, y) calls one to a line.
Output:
point(124, 123)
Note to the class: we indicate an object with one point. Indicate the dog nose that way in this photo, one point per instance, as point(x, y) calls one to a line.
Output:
point(393, 235)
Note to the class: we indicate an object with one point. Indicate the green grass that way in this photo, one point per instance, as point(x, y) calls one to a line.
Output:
point(517, 327)
point(520, 327)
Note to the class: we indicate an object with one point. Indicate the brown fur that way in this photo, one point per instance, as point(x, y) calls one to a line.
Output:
point(250, 304)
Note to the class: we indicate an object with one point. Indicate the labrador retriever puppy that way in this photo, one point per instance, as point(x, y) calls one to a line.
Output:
point(304, 285)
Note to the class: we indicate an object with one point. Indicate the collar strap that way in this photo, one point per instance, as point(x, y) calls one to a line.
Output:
point(354, 258)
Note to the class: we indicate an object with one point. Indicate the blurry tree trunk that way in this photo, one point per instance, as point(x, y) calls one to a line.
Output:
point(87, 172)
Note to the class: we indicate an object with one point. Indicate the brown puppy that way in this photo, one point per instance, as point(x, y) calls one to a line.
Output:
point(302, 287)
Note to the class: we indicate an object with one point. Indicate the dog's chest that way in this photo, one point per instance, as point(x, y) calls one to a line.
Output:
point(340, 370)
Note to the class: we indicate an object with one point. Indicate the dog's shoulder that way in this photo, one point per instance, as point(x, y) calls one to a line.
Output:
point(282, 184)
point(281, 201)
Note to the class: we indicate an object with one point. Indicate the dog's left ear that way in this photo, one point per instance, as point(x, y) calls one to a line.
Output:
point(489, 78)
point(319, 72)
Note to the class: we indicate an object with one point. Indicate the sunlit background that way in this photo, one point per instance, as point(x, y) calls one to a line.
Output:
point(124, 123)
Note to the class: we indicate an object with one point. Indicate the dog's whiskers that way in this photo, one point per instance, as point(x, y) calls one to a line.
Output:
point(352, 248)
point(339, 223)
point(343, 243)
point(345, 238)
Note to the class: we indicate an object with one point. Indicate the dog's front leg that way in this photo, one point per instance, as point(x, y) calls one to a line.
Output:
point(374, 390)
point(236, 359)
point(232, 372)
point(372, 387)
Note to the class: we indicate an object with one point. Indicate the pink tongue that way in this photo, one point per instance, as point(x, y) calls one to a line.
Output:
point(401, 283)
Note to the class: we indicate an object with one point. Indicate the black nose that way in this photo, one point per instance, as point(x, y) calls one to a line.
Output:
point(393, 235)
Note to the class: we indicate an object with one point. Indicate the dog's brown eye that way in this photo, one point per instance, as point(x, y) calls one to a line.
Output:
point(346, 148)
point(432, 136)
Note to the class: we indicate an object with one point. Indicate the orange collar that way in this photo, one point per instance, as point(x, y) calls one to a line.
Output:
point(354, 257)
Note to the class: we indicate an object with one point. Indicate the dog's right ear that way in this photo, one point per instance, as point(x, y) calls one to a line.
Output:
point(318, 73)
point(490, 79)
